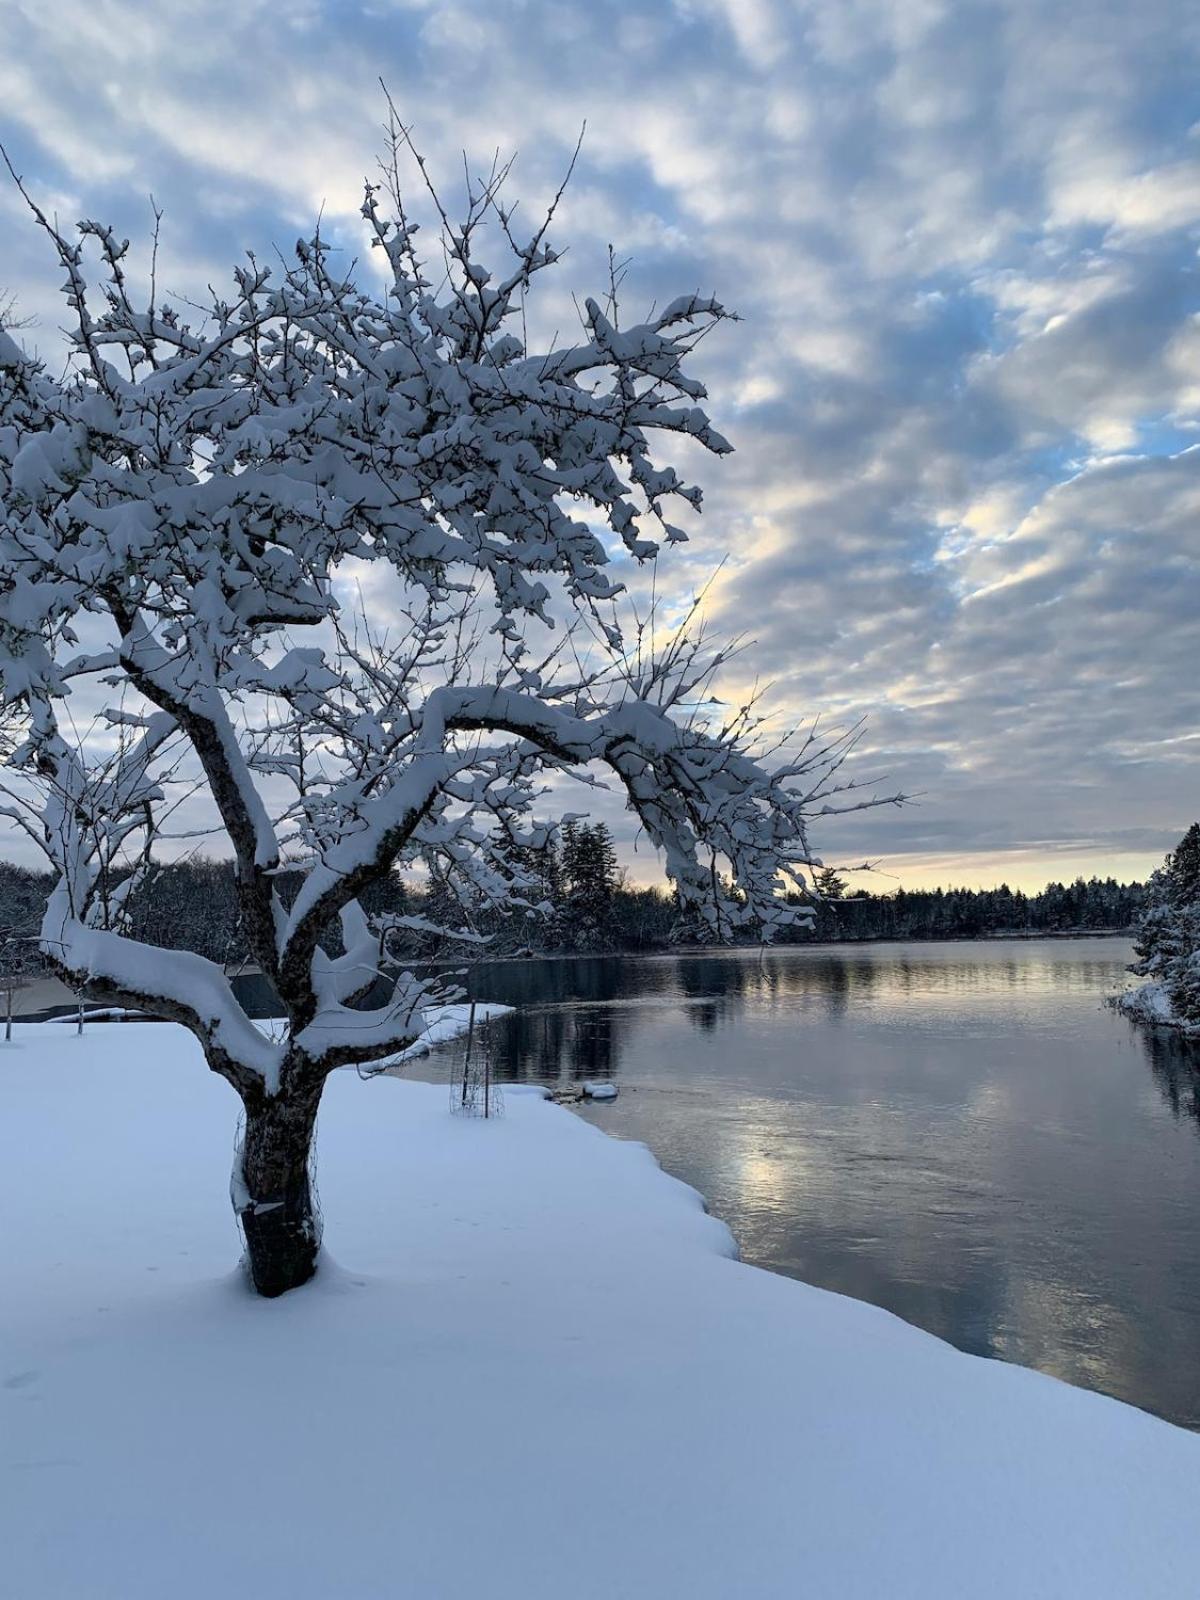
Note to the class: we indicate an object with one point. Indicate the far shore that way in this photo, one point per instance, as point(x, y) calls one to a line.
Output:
point(48, 996)
point(1022, 935)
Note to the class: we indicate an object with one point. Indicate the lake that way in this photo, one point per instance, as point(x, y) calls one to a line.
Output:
point(962, 1133)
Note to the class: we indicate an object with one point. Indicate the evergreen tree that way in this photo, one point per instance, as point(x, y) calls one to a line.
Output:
point(589, 872)
point(1168, 942)
point(828, 885)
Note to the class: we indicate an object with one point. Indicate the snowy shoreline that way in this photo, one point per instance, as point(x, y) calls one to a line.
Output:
point(1150, 1005)
point(534, 1371)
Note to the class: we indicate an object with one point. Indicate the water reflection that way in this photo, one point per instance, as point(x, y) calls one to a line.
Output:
point(550, 1040)
point(557, 1045)
point(1175, 1067)
point(962, 1133)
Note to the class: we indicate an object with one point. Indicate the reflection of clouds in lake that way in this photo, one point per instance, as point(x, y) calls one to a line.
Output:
point(962, 1134)
point(991, 1102)
point(760, 1174)
point(1070, 1334)
point(861, 1207)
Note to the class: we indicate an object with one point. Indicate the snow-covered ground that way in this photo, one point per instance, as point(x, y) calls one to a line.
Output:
point(1151, 1003)
point(442, 1023)
point(535, 1371)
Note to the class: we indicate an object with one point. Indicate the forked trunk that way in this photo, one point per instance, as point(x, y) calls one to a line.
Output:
point(274, 1198)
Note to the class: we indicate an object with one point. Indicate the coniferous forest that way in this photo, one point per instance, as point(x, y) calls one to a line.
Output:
point(583, 904)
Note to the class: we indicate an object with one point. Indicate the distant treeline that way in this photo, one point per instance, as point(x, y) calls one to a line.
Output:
point(1085, 906)
point(578, 902)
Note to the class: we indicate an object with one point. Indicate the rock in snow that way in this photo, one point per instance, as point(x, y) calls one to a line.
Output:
point(471, 1403)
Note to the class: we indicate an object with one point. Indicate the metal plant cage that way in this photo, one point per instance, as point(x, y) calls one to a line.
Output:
point(474, 1091)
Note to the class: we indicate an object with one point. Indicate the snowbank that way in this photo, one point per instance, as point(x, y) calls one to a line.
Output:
point(445, 1023)
point(442, 1023)
point(535, 1372)
point(1150, 1003)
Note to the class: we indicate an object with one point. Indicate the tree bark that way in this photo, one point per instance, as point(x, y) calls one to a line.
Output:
point(274, 1199)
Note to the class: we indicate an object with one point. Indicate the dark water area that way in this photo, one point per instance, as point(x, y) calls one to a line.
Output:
point(961, 1133)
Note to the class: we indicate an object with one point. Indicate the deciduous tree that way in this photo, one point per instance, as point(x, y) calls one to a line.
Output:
point(183, 519)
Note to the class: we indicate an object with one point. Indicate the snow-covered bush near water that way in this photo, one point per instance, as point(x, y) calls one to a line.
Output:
point(194, 497)
point(533, 1373)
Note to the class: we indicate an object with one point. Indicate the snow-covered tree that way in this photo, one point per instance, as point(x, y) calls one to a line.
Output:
point(21, 897)
point(185, 518)
point(1168, 941)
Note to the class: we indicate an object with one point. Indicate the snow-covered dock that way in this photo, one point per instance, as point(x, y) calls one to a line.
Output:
point(534, 1371)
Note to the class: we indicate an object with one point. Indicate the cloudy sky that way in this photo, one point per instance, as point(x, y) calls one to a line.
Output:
point(965, 393)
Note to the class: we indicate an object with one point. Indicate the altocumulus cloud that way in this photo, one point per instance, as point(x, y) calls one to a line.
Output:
point(965, 395)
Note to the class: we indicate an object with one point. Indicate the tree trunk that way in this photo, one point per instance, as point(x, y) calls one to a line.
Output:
point(273, 1198)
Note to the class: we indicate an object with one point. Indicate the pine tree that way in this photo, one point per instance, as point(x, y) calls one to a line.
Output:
point(828, 885)
point(1168, 940)
point(589, 870)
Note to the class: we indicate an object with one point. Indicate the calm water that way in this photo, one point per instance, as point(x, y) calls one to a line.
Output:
point(959, 1132)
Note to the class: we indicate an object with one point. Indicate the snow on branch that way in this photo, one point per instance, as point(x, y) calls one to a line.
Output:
point(182, 515)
